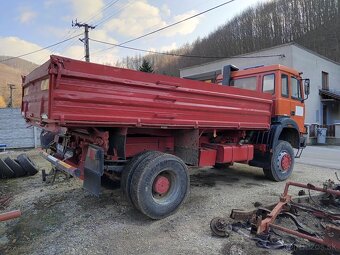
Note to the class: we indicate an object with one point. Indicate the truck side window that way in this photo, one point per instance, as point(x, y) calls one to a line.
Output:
point(268, 85)
point(284, 85)
point(244, 83)
point(296, 90)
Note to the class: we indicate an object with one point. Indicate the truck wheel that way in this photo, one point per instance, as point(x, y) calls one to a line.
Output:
point(17, 169)
point(5, 170)
point(130, 168)
point(282, 162)
point(160, 185)
point(27, 164)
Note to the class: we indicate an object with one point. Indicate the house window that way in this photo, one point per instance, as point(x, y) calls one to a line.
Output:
point(284, 85)
point(325, 84)
point(269, 83)
point(244, 83)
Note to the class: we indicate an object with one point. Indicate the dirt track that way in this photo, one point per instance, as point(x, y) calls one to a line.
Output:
point(63, 219)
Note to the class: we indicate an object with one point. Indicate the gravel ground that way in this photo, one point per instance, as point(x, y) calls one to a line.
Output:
point(63, 219)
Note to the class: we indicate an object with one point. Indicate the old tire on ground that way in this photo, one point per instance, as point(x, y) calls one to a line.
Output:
point(282, 162)
point(27, 164)
point(5, 170)
point(160, 185)
point(16, 167)
point(129, 170)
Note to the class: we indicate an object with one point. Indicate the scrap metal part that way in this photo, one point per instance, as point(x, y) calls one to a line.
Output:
point(10, 215)
point(219, 227)
point(332, 232)
point(262, 219)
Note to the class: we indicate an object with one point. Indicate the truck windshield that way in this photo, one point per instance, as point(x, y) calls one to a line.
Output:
point(244, 83)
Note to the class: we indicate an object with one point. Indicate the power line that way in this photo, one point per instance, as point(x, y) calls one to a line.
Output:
point(104, 20)
point(70, 32)
point(183, 55)
point(171, 25)
point(47, 47)
point(102, 10)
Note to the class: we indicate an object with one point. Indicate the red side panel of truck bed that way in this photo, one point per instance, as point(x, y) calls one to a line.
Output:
point(67, 92)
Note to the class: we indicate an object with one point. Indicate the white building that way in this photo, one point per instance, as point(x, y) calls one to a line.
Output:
point(323, 104)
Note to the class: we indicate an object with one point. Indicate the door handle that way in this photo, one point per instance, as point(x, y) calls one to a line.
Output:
point(292, 113)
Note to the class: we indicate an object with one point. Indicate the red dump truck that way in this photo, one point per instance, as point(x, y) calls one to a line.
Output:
point(145, 129)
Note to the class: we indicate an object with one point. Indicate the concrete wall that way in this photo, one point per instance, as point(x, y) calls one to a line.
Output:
point(312, 66)
point(14, 131)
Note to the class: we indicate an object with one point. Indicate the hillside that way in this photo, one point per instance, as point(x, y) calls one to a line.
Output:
point(10, 73)
point(314, 24)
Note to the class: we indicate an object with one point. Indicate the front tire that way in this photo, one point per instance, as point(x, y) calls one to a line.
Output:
point(160, 185)
point(282, 162)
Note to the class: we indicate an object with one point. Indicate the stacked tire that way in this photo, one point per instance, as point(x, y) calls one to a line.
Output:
point(19, 167)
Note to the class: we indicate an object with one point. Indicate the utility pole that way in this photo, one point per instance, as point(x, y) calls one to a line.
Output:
point(10, 103)
point(85, 40)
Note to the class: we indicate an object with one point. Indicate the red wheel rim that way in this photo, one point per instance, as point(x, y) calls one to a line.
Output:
point(161, 185)
point(286, 162)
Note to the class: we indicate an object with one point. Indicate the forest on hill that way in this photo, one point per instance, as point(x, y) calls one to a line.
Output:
point(314, 24)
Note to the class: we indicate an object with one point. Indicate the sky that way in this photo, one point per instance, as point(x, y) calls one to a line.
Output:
point(30, 25)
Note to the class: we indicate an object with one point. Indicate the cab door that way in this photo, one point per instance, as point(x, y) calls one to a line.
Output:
point(297, 109)
point(282, 103)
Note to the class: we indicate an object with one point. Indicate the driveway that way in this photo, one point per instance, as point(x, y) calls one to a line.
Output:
point(321, 156)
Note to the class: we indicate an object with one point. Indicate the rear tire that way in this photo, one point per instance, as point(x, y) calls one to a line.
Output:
point(160, 185)
point(282, 162)
point(129, 170)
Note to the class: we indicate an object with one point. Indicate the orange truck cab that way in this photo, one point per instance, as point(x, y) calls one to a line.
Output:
point(283, 83)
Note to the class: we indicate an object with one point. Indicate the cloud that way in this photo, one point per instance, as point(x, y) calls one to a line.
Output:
point(14, 46)
point(165, 10)
point(27, 16)
point(135, 20)
point(74, 51)
point(142, 17)
point(102, 35)
point(85, 9)
point(184, 28)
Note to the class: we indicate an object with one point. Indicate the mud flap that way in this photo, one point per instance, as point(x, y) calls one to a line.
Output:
point(93, 169)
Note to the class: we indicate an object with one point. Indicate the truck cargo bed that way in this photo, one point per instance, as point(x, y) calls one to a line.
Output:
point(71, 93)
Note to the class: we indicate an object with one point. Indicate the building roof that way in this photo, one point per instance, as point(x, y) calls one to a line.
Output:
point(270, 48)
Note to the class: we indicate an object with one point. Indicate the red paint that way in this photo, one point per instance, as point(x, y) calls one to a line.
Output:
point(135, 145)
point(88, 94)
point(207, 157)
point(161, 185)
point(232, 153)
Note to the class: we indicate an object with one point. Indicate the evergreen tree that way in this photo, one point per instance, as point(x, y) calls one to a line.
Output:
point(146, 67)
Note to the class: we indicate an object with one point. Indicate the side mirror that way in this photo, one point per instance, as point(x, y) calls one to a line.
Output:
point(307, 86)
